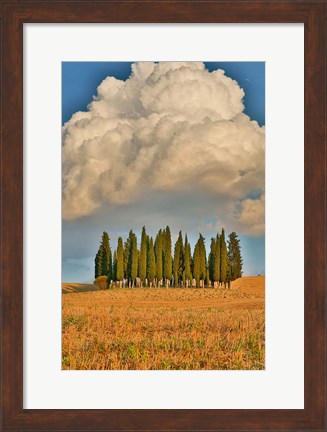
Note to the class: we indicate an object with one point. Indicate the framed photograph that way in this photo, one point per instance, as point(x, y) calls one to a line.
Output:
point(163, 217)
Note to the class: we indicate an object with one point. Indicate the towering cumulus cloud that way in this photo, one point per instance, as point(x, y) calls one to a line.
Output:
point(170, 127)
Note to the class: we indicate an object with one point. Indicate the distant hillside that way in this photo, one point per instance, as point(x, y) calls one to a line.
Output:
point(248, 284)
point(68, 288)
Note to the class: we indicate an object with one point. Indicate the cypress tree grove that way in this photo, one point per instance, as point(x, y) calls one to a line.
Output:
point(178, 260)
point(224, 263)
point(143, 254)
point(151, 263)
point(167, 262)
point(223, 258)
point(234, 257)
point(159, 256)
point(120, 261)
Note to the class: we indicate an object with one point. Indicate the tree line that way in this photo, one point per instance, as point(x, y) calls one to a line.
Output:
point(153, 264)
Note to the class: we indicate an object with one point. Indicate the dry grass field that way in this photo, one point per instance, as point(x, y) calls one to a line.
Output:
point(162, 328)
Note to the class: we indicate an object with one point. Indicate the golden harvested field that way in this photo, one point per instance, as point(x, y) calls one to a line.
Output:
point(162, 328)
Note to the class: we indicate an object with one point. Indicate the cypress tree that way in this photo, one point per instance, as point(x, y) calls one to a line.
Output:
point(120, 260)
point(159, 255)
point(127, 248)
point(187, 261)
point(197, 263)
point(211, 259)
point(178, 259)
point(234, 257)
point(137, 260)
point(131, 254)
point(167, 261)
point(114, 266)
point(106, 260)
point(203, 259)
point(143, 254)
point(223, 258)
point(192, 264)
point(151, 262)
point(98, 263)
point(207, 279)
point(133, 257)
point(229, 276)
point(216, 266)
point(181, 273)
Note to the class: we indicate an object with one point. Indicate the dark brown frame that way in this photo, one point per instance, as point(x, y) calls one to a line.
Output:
point(14, 15)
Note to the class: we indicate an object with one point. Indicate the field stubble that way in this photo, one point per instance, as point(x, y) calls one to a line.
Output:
point(162, 328)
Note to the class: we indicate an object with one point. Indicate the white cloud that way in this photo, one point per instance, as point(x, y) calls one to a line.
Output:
point(172, 127)
point(251, 215)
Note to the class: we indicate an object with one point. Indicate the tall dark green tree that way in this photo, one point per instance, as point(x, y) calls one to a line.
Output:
point(127, 248)
point(197, 263)
point(211, 259)
point(120, 260)
point(223, 258)
point(200, 262)
point(151, 262)
point(133, 257)
point(234, 257)
point(207, 279)
point(143, 256)
point(181, 273)
point(167, 258)
point(216, 265)
point(158, 248)
point(137, 264)
point(187, 262)
point(178, 263)
point(98, 263)
point(106, 260)
point(203, 259)
point(114, 266)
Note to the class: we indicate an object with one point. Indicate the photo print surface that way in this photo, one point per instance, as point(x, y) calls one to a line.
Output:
point(163, 215)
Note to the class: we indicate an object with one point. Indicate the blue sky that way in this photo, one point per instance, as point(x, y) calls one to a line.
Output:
point(80, 236)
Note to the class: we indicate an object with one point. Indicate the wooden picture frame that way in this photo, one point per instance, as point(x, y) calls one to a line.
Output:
point(14, 15)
